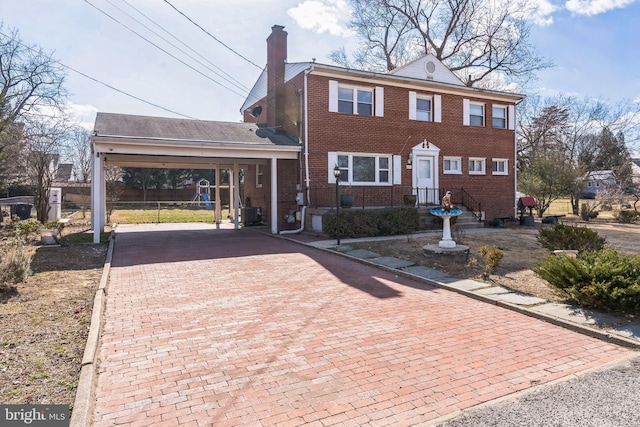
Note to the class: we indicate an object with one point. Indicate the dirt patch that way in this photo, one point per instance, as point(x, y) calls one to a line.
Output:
point(521, 253)
point(45, 322)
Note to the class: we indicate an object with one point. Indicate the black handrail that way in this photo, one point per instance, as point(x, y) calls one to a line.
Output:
point(471, 204)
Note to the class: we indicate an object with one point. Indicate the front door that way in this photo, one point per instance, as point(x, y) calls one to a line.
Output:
point(424, 179)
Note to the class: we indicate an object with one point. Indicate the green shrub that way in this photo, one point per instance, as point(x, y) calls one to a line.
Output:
point(491, 257)
point(568, 237)
point(601, 279)
point(626, 216)
point(356, 223)
point(54, 224)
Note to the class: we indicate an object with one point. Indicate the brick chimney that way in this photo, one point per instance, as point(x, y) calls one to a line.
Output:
point(276, 58)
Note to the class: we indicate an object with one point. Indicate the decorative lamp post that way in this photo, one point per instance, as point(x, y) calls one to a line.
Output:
point(336, 174)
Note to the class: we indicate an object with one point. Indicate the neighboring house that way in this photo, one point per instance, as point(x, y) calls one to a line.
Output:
point(416, 130)
point(635, 168)
point(597, 182)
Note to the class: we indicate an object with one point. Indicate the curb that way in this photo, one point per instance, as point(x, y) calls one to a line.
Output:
point(83, 403)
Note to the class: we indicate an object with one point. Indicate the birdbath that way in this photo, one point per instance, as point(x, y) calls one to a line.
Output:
point(446, 242)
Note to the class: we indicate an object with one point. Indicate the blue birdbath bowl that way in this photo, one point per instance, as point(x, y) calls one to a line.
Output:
point(446, 242)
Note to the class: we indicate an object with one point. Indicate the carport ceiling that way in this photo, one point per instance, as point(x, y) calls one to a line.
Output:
point(174, 162)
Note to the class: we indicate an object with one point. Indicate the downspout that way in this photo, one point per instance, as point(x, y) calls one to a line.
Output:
point(306, 159)
point(515, 158)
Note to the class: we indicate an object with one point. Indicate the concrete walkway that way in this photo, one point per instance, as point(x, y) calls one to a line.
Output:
point(207, 327)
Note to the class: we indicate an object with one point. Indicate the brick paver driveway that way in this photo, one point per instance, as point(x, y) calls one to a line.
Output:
point(222, 327)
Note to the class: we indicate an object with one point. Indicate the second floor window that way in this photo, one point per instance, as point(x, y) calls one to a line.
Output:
point(355, 101)
point(499, 119)
point(423, 109)
point(476, 114)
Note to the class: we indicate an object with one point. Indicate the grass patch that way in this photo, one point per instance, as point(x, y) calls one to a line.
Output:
point(165, 215)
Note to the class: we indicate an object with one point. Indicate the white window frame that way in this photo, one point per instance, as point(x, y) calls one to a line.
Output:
point(435, 115)
point(448, 170)
point(345, 163)
point(504, 118)
point(504, 162)
point(259, 175)
point(377, 98)
point(477, 165)
point(466, 112)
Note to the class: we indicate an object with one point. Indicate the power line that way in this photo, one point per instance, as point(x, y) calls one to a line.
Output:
point(212, 36)
point(103, 83)
point(163, 50)
point(229, 78)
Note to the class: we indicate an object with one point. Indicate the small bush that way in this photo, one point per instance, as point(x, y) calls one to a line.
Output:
point(601, 279)
point(491, 257)
point(26, 229)
point(15, 266)
point(588, 211)
point(626, 216)
point(568, 237)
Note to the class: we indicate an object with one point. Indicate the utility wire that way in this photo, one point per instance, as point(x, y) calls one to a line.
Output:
point(212, 36)
point(163, 50)
point(103, 83)
point(235, 83)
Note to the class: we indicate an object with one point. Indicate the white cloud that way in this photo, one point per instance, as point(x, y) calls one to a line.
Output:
point(322, 16)
point(541, 11)
point(595, 7)
point(84, 115)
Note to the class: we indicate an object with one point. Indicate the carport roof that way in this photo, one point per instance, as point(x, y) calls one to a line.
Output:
point(161, 128)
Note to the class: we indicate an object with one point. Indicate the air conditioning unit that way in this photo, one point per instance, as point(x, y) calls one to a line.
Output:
point(251, 216)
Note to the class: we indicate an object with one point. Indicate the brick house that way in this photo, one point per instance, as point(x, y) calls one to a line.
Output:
point(417, 130)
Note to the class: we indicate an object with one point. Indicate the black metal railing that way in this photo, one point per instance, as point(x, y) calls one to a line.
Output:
point(365, 197)
point(471, 204)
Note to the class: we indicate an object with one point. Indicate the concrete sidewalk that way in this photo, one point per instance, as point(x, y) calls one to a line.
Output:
point(226, 328)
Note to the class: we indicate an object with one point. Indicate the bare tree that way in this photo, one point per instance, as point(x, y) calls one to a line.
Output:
point(31, 79)
point(44, 139)
point(474, 38)
point(79, 153)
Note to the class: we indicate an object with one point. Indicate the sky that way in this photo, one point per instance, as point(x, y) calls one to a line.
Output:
point(594, 44)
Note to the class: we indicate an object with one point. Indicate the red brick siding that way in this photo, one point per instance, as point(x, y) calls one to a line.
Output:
point(388, 134)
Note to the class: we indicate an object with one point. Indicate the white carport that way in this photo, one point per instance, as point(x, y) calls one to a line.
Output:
point(156, 142)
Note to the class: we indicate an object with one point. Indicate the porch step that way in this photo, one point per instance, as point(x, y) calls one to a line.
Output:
point(465, 220)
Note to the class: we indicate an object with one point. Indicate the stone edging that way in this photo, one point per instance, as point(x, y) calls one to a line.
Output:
point(83, 404)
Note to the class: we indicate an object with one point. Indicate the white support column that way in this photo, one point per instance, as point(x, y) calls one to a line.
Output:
point(236, 194)
point(98, 197)
point(232, 190)
point(274, 195)
point(217, 194)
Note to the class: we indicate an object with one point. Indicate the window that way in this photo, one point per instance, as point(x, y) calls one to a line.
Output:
point(363, 101)
point(425, 108)
point(476, 114)
point(472, 113)
point(476, 166)
point(355, 101)
point(452, 165)
point(362, 169)
point(259, 171)
point(499, 116)
point(500, 167)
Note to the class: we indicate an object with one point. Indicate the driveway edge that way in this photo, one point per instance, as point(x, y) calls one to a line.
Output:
point(83, 403)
